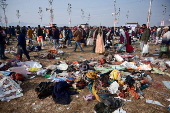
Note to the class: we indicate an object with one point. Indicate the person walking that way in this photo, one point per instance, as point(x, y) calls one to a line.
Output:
point(104, 35)
point(122, 40)
point(50, 35)
point(30, 35)
point(78, 36)
point(2, 44)
point(70, 35)
point(13, 33)
point(95, 33)
point(145, 36)
point(22, 44)
point(55, 36)
point(100, 42)
point(129, 48)
point(66, 35)
point(164, 47)
point(83, 39)
point(158, 34)
point(40, 36)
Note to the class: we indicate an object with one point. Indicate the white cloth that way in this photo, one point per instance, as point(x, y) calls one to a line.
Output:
point(113, 88)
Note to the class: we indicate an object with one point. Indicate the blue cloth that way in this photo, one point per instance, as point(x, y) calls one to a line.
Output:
point(5, 72)
point(60, 93)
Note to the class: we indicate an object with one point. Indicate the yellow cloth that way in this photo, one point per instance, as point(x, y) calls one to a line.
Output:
point(92, 75)
point(94, 91)
point(115, 74)
point(33, 69)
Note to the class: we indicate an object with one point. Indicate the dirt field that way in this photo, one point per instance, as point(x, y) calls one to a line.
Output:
point(29, 103)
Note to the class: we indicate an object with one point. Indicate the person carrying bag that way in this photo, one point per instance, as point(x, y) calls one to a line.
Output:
point(164, 47)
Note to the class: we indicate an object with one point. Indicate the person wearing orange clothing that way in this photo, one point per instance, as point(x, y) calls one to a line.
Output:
point(40, 36)
point(30, 35)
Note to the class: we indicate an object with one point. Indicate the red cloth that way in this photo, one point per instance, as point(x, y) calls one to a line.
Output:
point(121, 39)
point(129, 48)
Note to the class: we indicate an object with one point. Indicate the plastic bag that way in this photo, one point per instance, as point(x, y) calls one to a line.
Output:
point(33, 64)
point(63, 66)
point(89, 41)
point(163, 48)
point(19, 50)
point(145, 48)
point(118, 58)
point(20, 70)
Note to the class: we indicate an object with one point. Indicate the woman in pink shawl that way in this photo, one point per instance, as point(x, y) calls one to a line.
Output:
point(99, 42)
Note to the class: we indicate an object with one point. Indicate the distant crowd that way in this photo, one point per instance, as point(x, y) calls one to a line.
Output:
point(100, 38)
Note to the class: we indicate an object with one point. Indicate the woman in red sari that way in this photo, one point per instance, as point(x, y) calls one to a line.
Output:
point(129, 48)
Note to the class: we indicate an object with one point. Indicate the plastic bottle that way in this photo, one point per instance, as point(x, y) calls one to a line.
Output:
point(149, 77)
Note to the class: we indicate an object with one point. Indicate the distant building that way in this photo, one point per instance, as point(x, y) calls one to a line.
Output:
point(84, 25)
point(132, 25)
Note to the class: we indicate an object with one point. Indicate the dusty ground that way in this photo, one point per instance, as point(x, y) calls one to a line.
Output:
point(29, 103)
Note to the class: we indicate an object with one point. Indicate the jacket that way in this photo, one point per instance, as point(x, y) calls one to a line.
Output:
point(145, 35)
point(30, 33)
point(77, 35)
point(2, 39)
point(39, 32)
point(55, 34)
point(21, 39)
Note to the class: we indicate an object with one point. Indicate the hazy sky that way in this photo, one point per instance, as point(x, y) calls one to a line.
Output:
point(100, 11)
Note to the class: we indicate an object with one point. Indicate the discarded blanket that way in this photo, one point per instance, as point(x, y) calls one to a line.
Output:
point(60, 93)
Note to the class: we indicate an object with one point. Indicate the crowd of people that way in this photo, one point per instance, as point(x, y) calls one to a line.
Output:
point(101, 37)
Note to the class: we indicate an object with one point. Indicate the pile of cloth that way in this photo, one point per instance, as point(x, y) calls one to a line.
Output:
point(107, 77)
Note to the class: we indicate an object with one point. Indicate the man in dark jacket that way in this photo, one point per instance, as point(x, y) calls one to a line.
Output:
point(55, 34)
point(104, 35)
point(50, 35)
point(145, 36)
point(22, 44)
point(2, 44)
point(40, 36)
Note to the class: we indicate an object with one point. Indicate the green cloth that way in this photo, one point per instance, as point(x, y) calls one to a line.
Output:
point(158, 71)
point(103, 69)
point(47, 76)
point(108, 69)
